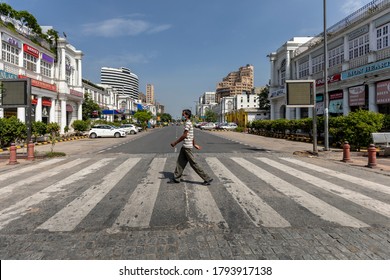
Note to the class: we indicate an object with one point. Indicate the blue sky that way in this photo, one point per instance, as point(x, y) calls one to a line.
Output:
point(183, 47)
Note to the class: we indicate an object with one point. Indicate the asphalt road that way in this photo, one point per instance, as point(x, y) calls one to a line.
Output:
point(110, 199)
point(158, 142)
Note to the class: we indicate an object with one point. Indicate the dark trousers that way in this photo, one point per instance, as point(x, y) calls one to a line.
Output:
point(186, 156)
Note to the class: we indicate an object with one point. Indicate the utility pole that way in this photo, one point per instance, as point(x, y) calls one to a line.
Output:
point(326, 97)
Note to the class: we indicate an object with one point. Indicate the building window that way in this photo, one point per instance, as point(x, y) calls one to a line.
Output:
point(318, 64)
point(336, 56)
point(382, 37)
point(359, 46)
point(46, 68)
point(30, 62)
point(10, 54)
point(68, 70)
point(303, 69)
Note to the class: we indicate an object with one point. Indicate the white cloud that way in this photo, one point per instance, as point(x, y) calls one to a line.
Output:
point(118, 27)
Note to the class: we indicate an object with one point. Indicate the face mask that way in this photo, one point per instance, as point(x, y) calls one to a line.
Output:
point(183, 118)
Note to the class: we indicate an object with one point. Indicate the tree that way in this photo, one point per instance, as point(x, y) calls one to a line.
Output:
point(11, 130)
point(80, 126)
point(264, 103)
point(54, 131)
point(89, 107)
point(143, 117)
point(38, 128)
point(165, 117)
point(210, 116)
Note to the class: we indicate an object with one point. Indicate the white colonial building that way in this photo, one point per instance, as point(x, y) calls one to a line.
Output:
point(56, 77)
point(358, 65)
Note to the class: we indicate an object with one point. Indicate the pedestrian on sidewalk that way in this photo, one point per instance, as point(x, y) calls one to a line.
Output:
point(186, 154)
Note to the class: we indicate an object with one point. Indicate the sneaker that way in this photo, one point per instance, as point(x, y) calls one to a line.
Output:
point(208, 182)
point(173, 181)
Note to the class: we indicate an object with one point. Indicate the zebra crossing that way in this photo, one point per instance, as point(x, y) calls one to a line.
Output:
point(121, 193)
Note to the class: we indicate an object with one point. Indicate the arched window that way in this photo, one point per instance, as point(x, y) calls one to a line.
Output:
point(68, 70)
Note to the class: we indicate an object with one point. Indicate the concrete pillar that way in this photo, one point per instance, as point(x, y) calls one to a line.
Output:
point(63, 116)
point(53, 111)
point(80, 111)
point(21, 114)
point(346, 108)
point(38, 109)
point(372, 106)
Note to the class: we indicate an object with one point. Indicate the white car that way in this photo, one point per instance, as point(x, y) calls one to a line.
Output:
point(208, 126)
point(130, 128)
point(229, 126)
point(105, 130)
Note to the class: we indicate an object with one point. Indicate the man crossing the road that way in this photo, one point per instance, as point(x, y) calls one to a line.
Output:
point(186, 154)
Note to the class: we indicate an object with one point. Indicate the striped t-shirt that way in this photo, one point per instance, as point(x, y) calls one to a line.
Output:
point(188, 141)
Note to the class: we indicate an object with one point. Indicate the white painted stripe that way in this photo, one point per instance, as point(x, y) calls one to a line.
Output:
point(29, 168)
point(139, 208)
point(258, 211)
point(360, 199)
point(40, 176)
point(310, 202)
point(206, 208)
point(362, 182)
point(71, 215)
point(20, 208)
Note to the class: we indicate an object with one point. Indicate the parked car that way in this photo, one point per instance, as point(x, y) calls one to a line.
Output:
point(105, 130)
point(229, 126)
point(208, 126)
point(130, 128)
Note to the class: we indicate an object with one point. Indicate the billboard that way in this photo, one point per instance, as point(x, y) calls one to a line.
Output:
point(300, 93)
point(14, 92)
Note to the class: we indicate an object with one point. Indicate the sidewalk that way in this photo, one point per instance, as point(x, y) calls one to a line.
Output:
point(358, 159)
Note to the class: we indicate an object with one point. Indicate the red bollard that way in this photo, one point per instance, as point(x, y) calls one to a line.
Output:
point(30, 151)
point(346, 152)
point(12, 155)
point(371, 156)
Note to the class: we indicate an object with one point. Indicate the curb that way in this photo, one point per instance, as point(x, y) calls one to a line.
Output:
point(46, 143)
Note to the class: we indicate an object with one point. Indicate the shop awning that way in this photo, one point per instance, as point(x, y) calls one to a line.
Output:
point(110, 112)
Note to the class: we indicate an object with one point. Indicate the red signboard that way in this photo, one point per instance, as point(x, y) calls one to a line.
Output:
point(331, 79)
point(30, 50)
point(40, 84)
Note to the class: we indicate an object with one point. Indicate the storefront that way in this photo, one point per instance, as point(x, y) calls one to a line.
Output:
point(336, 103)
point(383, 97)
point(358, 98)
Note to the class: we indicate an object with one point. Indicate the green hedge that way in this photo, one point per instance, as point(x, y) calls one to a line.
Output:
point(356, 128)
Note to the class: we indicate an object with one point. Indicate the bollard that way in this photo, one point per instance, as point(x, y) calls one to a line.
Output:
point(30, 151)
point(12, 155)
point(346, 152)
point(371, 156)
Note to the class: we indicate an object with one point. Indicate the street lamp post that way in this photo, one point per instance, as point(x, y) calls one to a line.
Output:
point(326, 97)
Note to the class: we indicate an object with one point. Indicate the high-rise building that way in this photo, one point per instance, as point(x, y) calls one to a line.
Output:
point(236, 82)
point(121, 79)
point(150, 93)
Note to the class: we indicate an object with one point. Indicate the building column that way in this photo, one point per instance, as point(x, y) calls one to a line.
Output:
point(346, 108)
point(272, 110)
point(80, 111)
point(288, 113)
point(53, 111)
point(38, 109)
point(288, 70)
point(372, 106)
point(297, 113)
point(21, 111)
point(63, 116)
